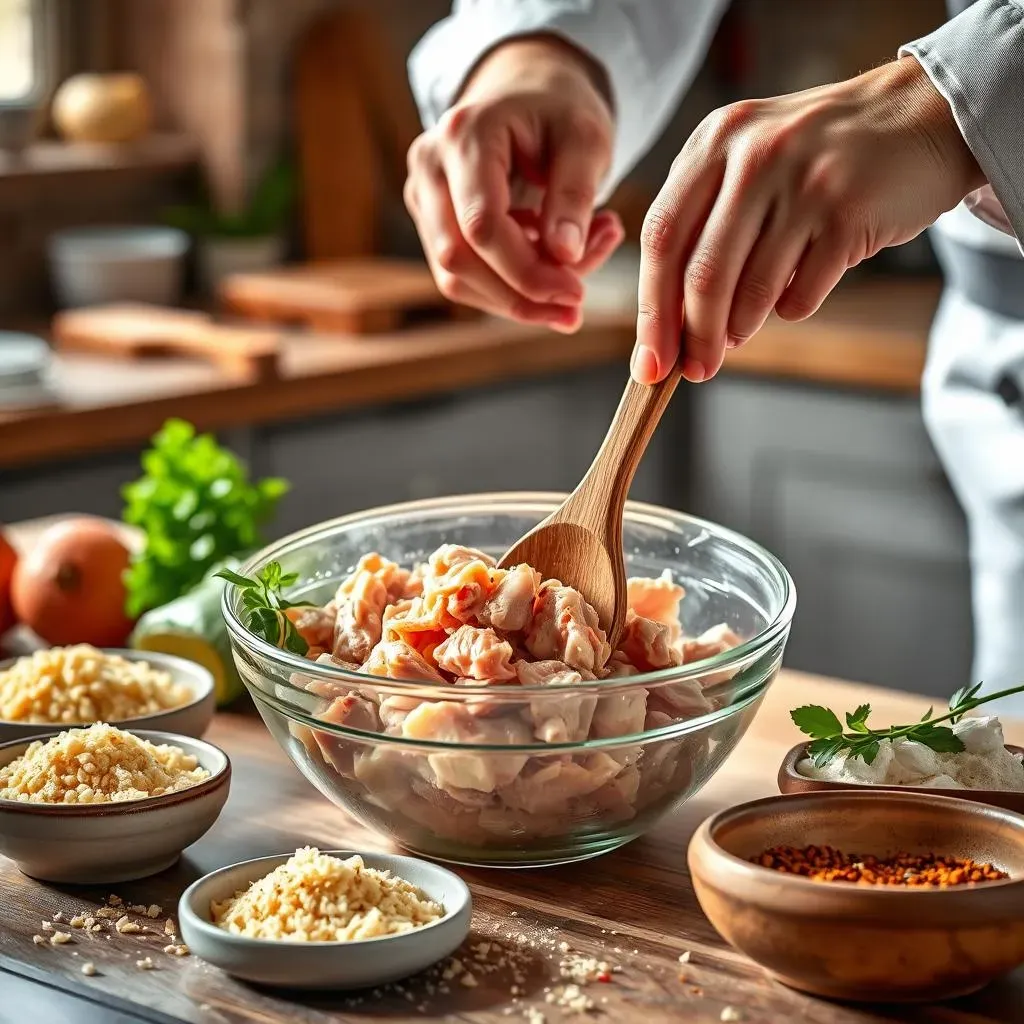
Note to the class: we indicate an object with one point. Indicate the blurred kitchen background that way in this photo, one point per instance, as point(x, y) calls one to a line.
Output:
point(273, 135)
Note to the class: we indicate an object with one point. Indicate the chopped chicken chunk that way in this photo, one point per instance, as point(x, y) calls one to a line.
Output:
point(358, 626)
point(565, 628)
point(477, 654)
point(510, 605)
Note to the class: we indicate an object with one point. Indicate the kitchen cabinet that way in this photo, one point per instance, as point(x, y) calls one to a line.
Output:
point(845, 488)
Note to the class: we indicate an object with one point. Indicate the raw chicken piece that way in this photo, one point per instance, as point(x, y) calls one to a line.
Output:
point(450, 556)
point(681, 700)
point(615, 801)
point(392, 575)
point(451, 722)
point(393, 711)
point(457, 596)
point(716, 640)
point(314, 625)
point(561, 718)
point(565, 628)
point(409, 622)
point(358, 626)
point(657, 599)
point(395, 659)
point(354, 713)
point(551, 784)
point(619, 714)
point(477, 654)
point(647, 644)
point(510, 606)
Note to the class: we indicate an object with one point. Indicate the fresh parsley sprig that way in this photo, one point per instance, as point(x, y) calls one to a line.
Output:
point(266, 607)
point(829, 738)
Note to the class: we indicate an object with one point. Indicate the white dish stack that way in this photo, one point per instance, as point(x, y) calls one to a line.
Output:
point(26, 371)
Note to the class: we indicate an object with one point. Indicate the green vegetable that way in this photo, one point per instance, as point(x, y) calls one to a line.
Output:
point(262, 599)
point(828, 738)
point(196, 507)
point(266, 213)
point(193, 627)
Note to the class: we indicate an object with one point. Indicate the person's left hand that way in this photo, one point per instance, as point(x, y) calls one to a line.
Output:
point(771, 201)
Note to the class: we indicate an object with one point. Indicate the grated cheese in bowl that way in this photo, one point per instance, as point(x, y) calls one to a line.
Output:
point(314, 897)
point(100, 764)
point(79, 685)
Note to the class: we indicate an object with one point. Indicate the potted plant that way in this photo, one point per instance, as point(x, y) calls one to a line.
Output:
point(252, 239)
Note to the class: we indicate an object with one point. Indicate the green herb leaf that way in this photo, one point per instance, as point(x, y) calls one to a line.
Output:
point(817, 722)
point(196, 508)
point(262, 599)
point(856, 720)
point(821, 751)
point(868, 752)
point(940, 738)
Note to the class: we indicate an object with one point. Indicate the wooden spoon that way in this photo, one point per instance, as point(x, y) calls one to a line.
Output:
point(580, 543)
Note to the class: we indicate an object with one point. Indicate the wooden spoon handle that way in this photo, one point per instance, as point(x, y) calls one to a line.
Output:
point(608, 480)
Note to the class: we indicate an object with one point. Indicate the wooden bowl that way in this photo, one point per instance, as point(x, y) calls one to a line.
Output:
point(865, 943)
point(791, 781)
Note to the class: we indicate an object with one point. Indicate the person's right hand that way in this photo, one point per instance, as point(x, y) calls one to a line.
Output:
point(531, 111)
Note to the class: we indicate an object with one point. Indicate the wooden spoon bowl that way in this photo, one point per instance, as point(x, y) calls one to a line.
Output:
point(580, 543)
point(791, 781)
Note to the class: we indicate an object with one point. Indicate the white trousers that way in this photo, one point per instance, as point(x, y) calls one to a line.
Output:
point(980, 441)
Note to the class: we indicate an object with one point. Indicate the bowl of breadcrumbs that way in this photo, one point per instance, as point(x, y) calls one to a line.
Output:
point(326, 920)
point(68, 687)
point(102, 804)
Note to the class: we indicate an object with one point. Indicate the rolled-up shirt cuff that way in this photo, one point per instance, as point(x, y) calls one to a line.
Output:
point(976, 61)
point(441, 62)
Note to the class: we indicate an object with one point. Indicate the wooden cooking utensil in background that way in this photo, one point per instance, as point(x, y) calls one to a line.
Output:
point(353, 296)
point(580, 543)
point(135, 330)
point(337, 154)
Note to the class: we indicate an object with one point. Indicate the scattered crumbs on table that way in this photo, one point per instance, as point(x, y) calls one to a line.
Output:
point(468, 981)
point(126, 926)
point(47, 927)
point(730, 1013)
point(115, 901)
point(684, 957)
point(177, 949)
point(88, 968)
point(169, 928)
point(145, 964)
point(39, 940)
point(58, 916)
point(154, 910)
point(60, 938)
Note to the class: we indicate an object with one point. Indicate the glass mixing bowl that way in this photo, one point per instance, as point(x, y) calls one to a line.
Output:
point(492, 794)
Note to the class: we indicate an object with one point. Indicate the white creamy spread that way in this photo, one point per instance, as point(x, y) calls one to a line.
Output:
point(984, 763)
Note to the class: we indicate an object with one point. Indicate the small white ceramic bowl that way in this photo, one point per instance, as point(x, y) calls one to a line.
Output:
point(326, 965)
point(118, 264)
point(191, 719)
point(90, 844)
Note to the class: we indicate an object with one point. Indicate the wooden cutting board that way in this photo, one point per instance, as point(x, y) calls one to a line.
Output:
point(367, 296)
point(137, 330)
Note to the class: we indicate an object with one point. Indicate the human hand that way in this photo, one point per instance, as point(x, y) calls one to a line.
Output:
point(531, 112)
point(771, 201)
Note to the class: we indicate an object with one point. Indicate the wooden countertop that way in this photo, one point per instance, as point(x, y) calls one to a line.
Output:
point(633, 908)
point(869, 334)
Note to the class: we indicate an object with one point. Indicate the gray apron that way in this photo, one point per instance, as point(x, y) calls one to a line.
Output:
point(973, 408)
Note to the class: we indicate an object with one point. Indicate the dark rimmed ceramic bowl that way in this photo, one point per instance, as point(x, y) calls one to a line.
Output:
point(190, 719)
point(113, 842)
point(791, 781)
point(865, 943)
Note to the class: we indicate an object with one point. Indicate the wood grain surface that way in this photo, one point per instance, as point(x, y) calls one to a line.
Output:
point(867, 335)
point(633, 908)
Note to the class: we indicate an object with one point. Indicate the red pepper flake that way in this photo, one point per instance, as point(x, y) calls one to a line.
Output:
point(604, 976)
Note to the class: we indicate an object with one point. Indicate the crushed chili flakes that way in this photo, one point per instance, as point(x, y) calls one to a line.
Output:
point(827, 864)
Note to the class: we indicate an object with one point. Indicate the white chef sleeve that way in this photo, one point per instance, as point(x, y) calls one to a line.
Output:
point(650, 49)
point(976, 61)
